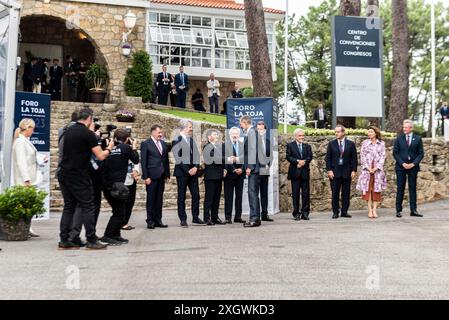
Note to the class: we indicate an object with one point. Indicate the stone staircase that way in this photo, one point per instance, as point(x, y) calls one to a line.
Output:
point(60, 116)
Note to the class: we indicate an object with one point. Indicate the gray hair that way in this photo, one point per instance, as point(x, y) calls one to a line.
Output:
point(298, 130)
point(184, 123)
point(409, 122)
point(234, 129)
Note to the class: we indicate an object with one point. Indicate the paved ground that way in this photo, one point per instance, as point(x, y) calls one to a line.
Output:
point(320, 259)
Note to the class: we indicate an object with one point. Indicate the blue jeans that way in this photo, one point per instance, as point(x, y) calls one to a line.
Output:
point(253, 197)
point(214, 103)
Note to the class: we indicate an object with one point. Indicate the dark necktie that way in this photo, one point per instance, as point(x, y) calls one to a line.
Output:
point(341, 149)
point(408, 140)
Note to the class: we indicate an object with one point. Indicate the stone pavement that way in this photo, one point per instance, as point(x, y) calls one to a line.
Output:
point(320, 259)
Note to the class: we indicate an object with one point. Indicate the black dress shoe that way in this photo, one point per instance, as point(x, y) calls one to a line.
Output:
point(267, 219)
point(416, 214)
point(184, 224)
point(210, 223)
point(335, 216)
point(346, 215)
point(228, 221)
point(251, 224)
point(219, 222)
point(67, 245)
point(305, 217)
point(151, 225)
point(198, 221)
point(160, 225)
point(239, 221)
point(398, 215)
point(297, 218)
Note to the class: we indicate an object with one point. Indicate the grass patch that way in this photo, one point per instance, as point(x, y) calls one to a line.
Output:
point(197, 116)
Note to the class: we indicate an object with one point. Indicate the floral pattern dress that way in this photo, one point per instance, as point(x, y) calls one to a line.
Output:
point(372, 156)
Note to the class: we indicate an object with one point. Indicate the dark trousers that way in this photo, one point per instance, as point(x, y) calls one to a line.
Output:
point(214, 103)
point(343, 186)
point(97, 189)
point(263, 183)
point(300, 187)
point(130, 202)
point(402, 177)
point(77, 193)
point(185, 182)
point(231, 186)
point(155, 196)
point(55, 94)
point(181, 101)
point(118, 215)
point(212, 198)
point(28, 86)
point(162, 96)
point(253, 197)
point(71, 89)
point(321, 124)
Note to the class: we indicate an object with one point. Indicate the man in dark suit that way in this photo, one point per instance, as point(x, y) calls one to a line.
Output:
point(264, 174)
point(187, 160)
point(299, 155)
point(163, 84)
point(214, 171)
point(235, 176)
point(444, 111)
point(408, 152)
point(341, 166)
point(320, 115)
point(26, 77)
point(182, 87)
point(155, 172)
point(56, 74)
point(252, 170)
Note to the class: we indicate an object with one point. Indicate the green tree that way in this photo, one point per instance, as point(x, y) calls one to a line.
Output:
point(139, 77)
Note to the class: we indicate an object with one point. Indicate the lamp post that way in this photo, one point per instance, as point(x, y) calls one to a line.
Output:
point(130, 20)
point(432, 22)
point(286, 67)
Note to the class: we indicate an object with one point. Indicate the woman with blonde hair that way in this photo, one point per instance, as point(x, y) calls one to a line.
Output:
point(372, 181)
point(25, 158)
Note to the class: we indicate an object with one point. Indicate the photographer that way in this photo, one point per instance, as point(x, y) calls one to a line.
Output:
point(114, 171)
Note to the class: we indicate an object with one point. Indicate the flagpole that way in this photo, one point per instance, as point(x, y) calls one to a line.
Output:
point(432, 18)
point(286, 67)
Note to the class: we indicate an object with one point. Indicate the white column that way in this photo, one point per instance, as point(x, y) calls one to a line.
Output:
point(286, 67)
point(432, 14)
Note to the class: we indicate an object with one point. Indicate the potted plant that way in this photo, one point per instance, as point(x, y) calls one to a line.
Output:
point(126, 49)
point(18, 205)
point(97, 75)
point(139, 77)
point(125, 116)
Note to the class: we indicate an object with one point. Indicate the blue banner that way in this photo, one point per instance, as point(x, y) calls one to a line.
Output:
point(37, 107)
point(259, 109)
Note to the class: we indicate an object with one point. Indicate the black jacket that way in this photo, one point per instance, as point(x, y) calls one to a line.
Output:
point(349, 159)
point(214, 162)
point(293, 155)
point(405, 154)
point(160, 84)
point(154, 165)
point(231, 167)
point(187, 156)
point(316, 115)
point(115, 167)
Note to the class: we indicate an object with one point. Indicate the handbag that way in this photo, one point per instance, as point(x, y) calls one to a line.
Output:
point(119, 191)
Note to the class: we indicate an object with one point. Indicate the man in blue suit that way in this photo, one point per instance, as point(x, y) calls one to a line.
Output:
point(182, 87)
point(155, 172)
point(444, 111)
point(341, 166)
point(408, 152)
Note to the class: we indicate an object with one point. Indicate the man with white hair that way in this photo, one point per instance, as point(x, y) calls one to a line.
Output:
point(187, 163)
point(213, 92)
point(408, 152)
point(299, 155)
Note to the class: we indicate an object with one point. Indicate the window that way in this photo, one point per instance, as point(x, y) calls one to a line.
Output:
point(154, 16)
point(164, 18)
point(175, 19)
point(196, 21)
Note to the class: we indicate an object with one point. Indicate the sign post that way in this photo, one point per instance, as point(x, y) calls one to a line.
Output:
point(37, 107)
point(259, 109)
point(357, 68)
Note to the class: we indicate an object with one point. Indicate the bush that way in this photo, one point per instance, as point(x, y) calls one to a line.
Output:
point(139, 77)
point(97, 75)
point(349, 132)
point(22, 202)
point(248, 92)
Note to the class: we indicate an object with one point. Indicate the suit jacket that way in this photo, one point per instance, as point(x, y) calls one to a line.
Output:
point(187, 156)
point(404, 154)
point(214, 161)
point(293, 155)
point(25, 162)
point(27, 72)
point(178, 83)
point(231, 167)
point(316, 115)
point(444, 112)
point(159, 83)
point(349, 159)
point(154, 165)
point(56, 74)
point(256, 158)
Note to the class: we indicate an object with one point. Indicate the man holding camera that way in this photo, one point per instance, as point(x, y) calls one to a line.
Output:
point(76, 184)
point(115, 169)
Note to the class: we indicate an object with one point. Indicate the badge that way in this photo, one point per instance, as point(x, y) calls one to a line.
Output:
point(340, 161)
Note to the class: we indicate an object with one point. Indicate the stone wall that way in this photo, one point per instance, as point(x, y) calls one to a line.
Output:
point(103, 25)
point(433, 181)
point(225, 90)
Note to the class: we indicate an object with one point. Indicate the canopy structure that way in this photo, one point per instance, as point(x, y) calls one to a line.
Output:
point(9, 33)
